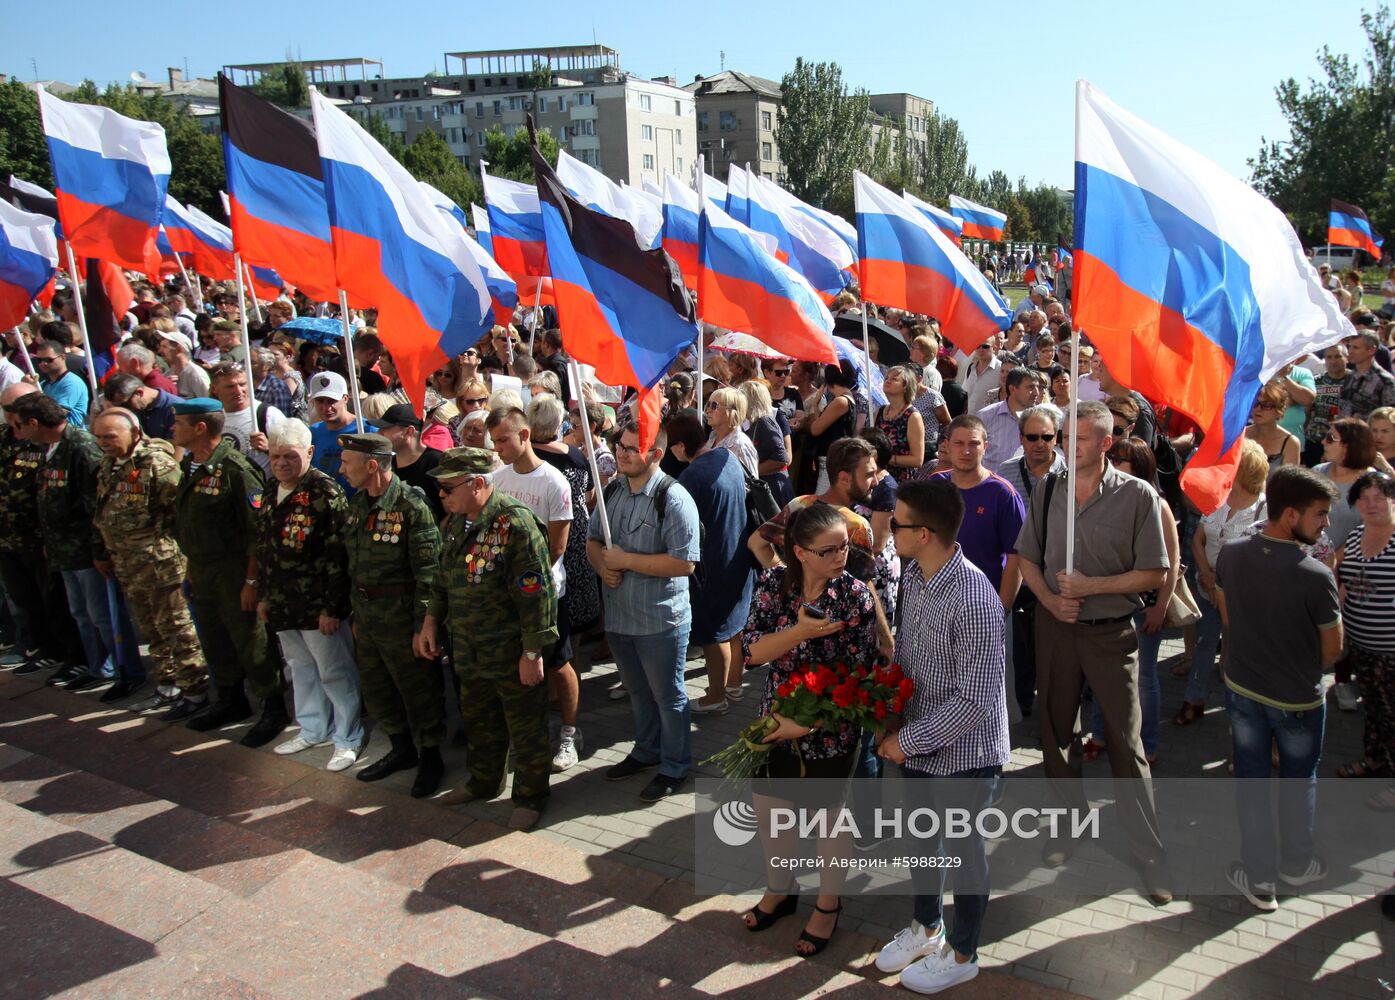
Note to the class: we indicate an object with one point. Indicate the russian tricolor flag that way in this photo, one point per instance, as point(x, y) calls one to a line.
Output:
point(909, 264)
point(742, 287)
point(595, 190)
point(680, 232)
point(738, 198)
point(479, 220)
point(1347, 226)
point(979, 221)
point(28, 261)
point(393, 247)
point(205, 243)
point(503, 290)
point(817, 251)
point(943, 221)
point(622, 309)
point(1191, 285)
point(515, 226)
point(110, 173)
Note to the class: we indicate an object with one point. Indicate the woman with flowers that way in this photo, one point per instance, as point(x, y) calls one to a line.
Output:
point(819, 654)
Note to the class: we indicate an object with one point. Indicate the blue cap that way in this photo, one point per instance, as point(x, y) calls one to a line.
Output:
point(197, 405)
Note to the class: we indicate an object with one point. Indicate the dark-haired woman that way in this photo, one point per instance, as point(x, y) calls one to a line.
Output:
point(836, 420)
point(1349, 452)
point(782, 632)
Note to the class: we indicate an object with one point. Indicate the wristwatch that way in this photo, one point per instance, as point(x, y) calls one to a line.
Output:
point(532, 654)
point(249, 583)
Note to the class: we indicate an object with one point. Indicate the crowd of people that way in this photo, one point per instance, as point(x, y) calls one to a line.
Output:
point(222, 503)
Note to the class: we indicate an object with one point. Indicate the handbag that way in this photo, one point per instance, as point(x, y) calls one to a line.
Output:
point(1182, 610)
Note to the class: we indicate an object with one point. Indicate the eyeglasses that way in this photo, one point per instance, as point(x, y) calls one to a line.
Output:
point(832, 550)
point(471, 352)
point(446, 491)
point(1039, 437)
point(43, 361)
point(712, 405)
point(1120, 431)
point(1334, 439)
point(1262, 405)
point(628, 449)
point(476, 401)
point(898, 525)
point(781, 372)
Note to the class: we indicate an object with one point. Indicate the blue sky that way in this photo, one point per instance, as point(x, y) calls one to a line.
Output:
point(1203, 71)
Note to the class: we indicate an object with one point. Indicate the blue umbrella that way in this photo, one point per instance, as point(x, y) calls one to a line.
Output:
point(316, 329)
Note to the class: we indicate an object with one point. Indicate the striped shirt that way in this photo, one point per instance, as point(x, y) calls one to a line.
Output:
point(950, 644)
point(1369, 608)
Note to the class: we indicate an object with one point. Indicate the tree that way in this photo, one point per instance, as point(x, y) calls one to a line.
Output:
point(823, 132)
point(1052, 215)
point(509, 156)
point(23, 150)
point(1341, 140)
point(945, 168)
point(429, 159)
point(377, 127)
point(285, 85)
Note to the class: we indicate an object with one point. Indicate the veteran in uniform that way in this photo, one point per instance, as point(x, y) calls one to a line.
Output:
point(216, 508)
point(394, 554)
point(136, 487)
point(496, 595)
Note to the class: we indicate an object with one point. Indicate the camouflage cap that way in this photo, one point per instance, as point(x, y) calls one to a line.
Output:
point(368, 444)
point(464, 462)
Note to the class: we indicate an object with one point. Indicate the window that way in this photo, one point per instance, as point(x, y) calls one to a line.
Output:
point(515, 104)
point(677, 107)
point(420, 115)
point(587, 126)
point(498, 108)
point(542, 104)
point(646, 132)
point(472, 86)
point(436, 112)
point(648, 161)
point(767, 151)
point(479, 139)
point(590, 157)
point(479, 109)
point(702, 121)
point(765, 120)
point(646, 103)
point(357, 90)
point(586, 98)
point(678, 136)
point(728, 121)
point(678, 165)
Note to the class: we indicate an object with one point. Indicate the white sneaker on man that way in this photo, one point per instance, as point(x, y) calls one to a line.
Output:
point(342, 759)
point(910, 944)
point(296, 744)
point(567, 751)
point(937, 972)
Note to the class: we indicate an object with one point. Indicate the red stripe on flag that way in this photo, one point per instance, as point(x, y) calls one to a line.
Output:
point(973, 231)
point(589, 337)
point(1354, 238)
point(519, 258)
point(738, 304)
point(301, 259)
point(97, 231)
point(925, 290)
point(14, 305)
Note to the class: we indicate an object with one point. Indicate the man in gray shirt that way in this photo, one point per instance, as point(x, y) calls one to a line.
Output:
point(654, 547)
point(1085, 632)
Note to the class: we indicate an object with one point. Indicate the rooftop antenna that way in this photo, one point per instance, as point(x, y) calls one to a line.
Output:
point(186, 67)
point(35, 63)
point(723, 55)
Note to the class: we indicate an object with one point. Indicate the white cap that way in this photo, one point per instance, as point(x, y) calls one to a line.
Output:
point(328, 385)
point(179, 339)
point(1041, 290)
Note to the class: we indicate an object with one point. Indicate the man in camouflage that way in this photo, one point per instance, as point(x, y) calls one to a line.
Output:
point(495, 593)
point(22, 567)
point(67, 500)
point(394, 553)
point(220, 491)
point(136, 488)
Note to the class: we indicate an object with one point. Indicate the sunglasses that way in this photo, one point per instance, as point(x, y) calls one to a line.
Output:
point(1333, 439)
point(42, 361)
point(446, 491)
point(898, 525)
point(712, 406)
point(477, 401)
point(1120, 431)
point(1039, 437)
point(1261, 405)
point(781, 372)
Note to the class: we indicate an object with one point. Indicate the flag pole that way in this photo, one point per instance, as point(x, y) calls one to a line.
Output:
point(23, 350)
point(189, 285)
point(867, 361)
point(246, 343)
point(1074, 390)
point(702, 207)
point(590, 450)
point(533, 328)
point(82, 325)
point(252, 289)
point(351, 363)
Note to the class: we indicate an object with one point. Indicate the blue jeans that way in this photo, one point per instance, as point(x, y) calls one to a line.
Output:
point(1149, 689)
point(651, 668)
point(87, 600)
point(325, 678)
point(1208, 643)
point(974, 790)
point(1254, 728)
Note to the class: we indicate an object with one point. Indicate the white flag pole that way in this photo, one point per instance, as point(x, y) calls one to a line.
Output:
point(533, 328)
point(252, 291)
point(702, 208)
point(351, 363)
point(189, 285)
point(246, 344)
point(867, 361)
point(1074, 391)
point(82, 325)
point(23, 350)
point(590, 451)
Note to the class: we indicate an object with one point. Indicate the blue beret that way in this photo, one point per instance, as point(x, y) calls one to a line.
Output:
point(197, 405)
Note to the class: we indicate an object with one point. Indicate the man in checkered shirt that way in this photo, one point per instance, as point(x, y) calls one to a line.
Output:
point(954, 731)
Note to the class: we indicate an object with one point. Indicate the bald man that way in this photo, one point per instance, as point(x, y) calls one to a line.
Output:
point(137, 487)
point(41, 620)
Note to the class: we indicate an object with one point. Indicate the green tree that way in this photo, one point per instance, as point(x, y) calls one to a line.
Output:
point(429, 159)
point(377, 127)
point(509, 156)
point(285, 85)
point(1051, 214)
point(1019, 220)
point(823, 133)
point(1341, 140)
point(945, 168)
point(23, 151)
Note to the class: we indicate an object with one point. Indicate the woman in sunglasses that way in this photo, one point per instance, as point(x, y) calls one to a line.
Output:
point(1350, 453)
point(1280, 447)
point(472, 395)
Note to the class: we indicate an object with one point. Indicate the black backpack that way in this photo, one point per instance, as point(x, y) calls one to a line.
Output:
point(666, 482)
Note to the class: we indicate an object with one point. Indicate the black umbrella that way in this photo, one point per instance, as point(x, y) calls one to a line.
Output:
point(892, 348)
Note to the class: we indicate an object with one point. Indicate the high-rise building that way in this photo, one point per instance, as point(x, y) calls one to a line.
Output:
point(736, 118)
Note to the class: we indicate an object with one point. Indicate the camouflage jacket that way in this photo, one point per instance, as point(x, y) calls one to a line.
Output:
point(303, 569)
point(135, 514)
point(217, 505)
point(19, 492)
point(394, 553)
point(68, 501)
point(495, 589)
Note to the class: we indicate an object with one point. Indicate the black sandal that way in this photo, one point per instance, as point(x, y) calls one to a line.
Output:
point(764, 921)
point(819, 943)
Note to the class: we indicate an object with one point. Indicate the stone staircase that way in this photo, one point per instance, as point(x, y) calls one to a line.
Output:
point(142, 859)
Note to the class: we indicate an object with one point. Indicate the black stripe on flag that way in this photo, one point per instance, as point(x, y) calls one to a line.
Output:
point(264, 132)
point(28, 202)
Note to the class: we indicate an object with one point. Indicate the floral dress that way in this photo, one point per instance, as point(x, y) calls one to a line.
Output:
point(882, 500)
point(898, 429)
point(774, 609)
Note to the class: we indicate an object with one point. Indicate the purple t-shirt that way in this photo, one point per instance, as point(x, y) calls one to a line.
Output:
point(993, 516)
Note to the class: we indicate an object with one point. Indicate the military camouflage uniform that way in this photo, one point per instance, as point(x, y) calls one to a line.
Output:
point(495, 594)
point(216, 524)
point(67, 501)
point(21, 555)
point(135, 514)
point(302, 567)
point(394, 553)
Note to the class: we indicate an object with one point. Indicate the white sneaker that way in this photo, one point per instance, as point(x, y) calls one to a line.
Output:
point(1348, 697)
point(736, 693)
point(910, 945)
point(937, 972)
point(342, 758)
point(296, 744)
point(566, 755)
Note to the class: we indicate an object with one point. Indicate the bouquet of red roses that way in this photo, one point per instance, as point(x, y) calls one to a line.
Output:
point(819, 695)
